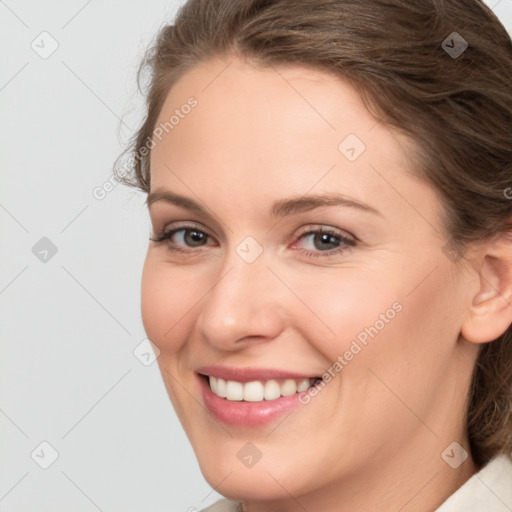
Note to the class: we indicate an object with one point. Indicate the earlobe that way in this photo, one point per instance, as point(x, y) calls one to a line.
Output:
point(489, 312)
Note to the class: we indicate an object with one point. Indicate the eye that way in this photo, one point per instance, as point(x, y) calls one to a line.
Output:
point(183, 238)
point(325, 242)
point(321, 242)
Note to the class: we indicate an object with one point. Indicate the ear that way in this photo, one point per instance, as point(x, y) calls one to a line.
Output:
point(489, 313)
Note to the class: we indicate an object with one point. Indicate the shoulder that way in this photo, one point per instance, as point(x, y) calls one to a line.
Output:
point(222, 506)
point(490, 489)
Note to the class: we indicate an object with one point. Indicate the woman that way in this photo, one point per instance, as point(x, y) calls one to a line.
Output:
point(329, 277)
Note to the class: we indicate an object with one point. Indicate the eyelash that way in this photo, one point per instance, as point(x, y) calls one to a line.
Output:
point(347, 242)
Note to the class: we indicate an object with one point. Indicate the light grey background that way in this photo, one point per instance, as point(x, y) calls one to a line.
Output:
point(70, 323)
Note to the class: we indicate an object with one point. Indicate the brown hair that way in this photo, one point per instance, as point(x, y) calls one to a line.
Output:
point(456, 108)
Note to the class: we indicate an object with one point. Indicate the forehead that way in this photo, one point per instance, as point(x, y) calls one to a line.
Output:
point(266, 129)
point(235, 90)
point(242, 103)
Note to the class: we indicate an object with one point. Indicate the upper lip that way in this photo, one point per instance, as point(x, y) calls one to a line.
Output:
point(249, 374)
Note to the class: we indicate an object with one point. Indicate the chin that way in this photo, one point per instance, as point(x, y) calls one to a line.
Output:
point(271, 478)
point(245, 485)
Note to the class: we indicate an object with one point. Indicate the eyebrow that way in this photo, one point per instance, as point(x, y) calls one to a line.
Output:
point(279, 209)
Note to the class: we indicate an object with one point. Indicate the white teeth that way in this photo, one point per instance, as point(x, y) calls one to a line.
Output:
point(289, 387)
point(253, 391)
point(272, 390)
point(303, 384)
point(234, 390)
point(213, 384)
point(257, 391)
point(221, 388)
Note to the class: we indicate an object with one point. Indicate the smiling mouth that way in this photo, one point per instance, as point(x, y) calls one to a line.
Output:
point(258, 390)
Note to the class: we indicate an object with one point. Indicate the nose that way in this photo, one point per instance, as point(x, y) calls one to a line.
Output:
point(245, 304)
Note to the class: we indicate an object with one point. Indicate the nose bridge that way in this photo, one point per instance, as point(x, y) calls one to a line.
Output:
point(243, 302)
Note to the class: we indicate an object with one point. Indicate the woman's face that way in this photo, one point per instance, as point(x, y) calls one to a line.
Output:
point(303, 246)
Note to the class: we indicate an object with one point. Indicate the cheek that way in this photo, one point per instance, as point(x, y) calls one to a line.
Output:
point(408, 356)
point(381, 319)
point(167, 301)
point(346, 308)
point(167, 297)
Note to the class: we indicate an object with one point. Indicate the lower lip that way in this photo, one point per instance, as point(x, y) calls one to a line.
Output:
point(246, 414)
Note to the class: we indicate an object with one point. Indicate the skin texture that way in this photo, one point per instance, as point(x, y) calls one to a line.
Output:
point(372, 439)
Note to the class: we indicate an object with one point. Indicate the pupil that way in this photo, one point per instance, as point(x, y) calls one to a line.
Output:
point(195, 238)
point(325, 238)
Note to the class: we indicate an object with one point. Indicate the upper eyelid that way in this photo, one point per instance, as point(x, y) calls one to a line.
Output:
point(307, 229)
point(313, 228)
point(304, 229)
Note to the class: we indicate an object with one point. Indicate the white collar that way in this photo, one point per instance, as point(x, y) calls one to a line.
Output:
point(489, 490)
